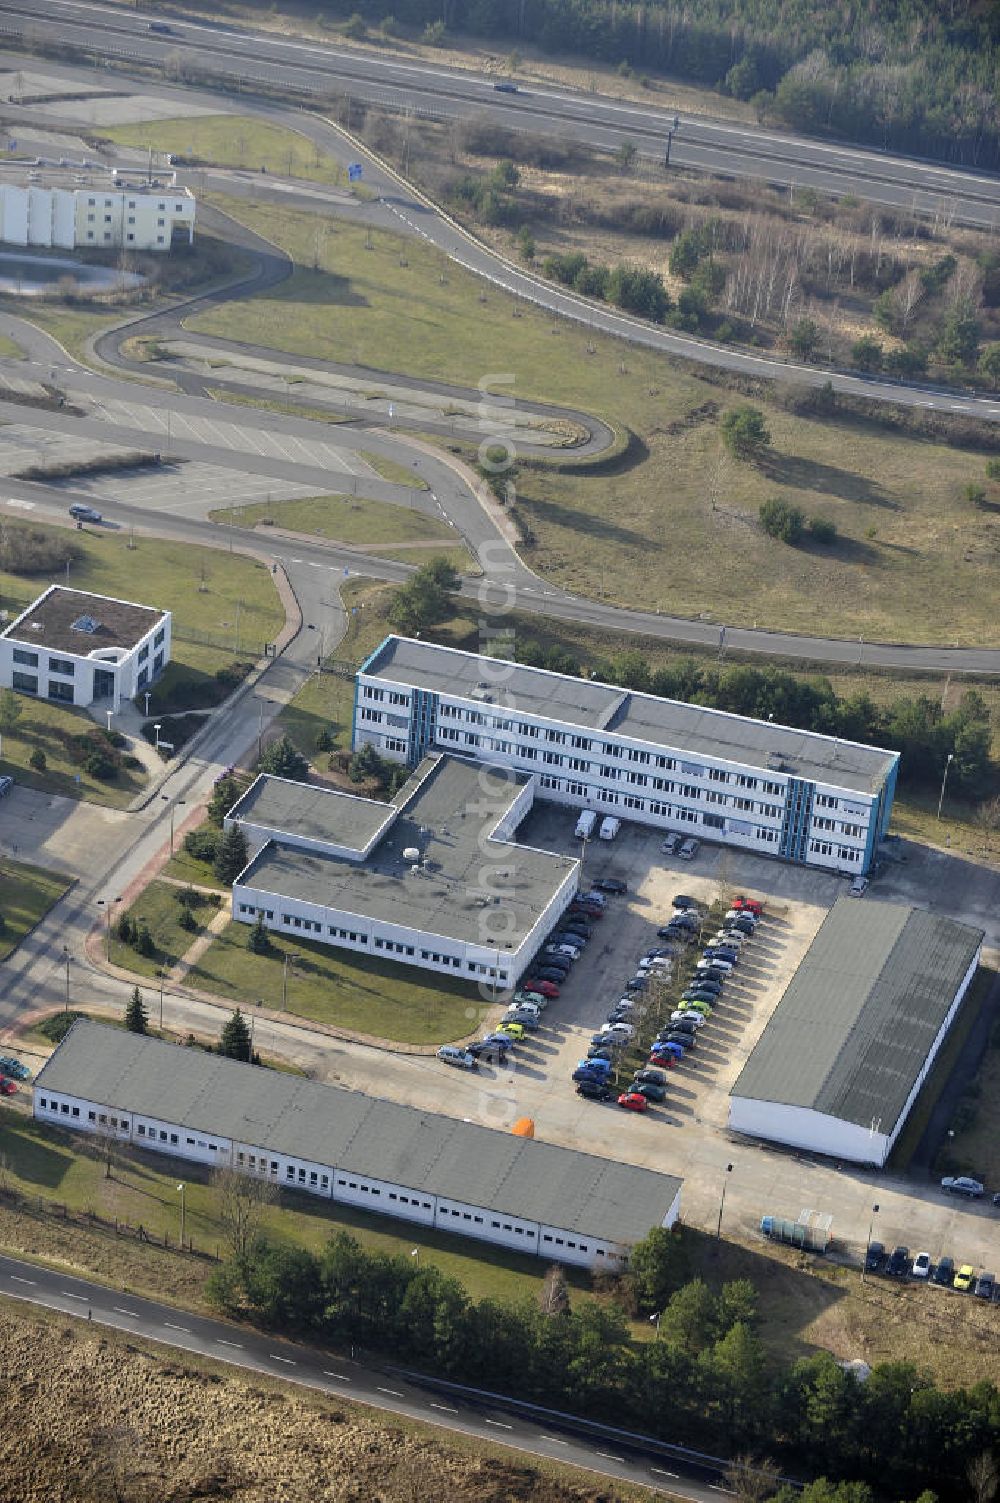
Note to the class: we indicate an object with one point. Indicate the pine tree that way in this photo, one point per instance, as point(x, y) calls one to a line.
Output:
point(136, 1018)
point(258, 940)
point(235, 1040)
point(231, 857)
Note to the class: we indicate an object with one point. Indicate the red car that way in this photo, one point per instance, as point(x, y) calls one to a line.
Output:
point(544, 988)
point(586, 910)
point(751, 905)
point(7, 1087)
point(633, 1100)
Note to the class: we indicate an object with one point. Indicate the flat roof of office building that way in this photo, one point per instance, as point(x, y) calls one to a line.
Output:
point(82, 623)
point(444, 812)
point(856, 1022)
point(345, 1129)
point(311, 813)
point(642, 717)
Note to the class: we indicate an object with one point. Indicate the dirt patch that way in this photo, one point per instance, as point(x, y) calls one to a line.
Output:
point(86, 1416)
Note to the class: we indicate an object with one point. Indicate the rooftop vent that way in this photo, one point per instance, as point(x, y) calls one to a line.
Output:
point(86, 624)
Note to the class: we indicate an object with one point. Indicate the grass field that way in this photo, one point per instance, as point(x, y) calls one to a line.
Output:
point(401, 474)
point(26, 895)
point(71, 326)
point(977, 1147)
point(233, 141)
point(675, 527)
point(157, 904)
point(9, 350)
point(345, 519)
point(346, 991)
point(48, 728)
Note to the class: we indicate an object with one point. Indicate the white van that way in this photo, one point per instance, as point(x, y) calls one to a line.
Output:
point(610, 827)
point(585, 824)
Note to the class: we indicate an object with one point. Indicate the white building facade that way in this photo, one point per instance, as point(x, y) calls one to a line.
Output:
point(607, 1206)
point(127, 217)
point(77, 648)
point(682, 768)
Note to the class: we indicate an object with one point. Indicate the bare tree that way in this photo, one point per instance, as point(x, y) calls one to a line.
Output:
point(988, 820)
point(107, 1144)
point(242, 1201)
point(751, 1480)
point(553, 1297)
point(983, 1478)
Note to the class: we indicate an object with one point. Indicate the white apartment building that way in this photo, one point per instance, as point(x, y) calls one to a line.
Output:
point(78, 648)
point(134, 217)
point(341, 1145)
point(751, 784)
point(432, 879)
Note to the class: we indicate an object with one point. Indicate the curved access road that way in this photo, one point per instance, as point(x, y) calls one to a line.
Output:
point(614, 1455)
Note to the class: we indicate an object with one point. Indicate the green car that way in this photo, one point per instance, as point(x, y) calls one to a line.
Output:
point(535, 998)
point(693, 1005)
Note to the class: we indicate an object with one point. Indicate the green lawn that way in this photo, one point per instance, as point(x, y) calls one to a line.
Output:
point(26, 895)
point(71, 326)
point(271, 404)
point(9, 350)
point(158, 905)
point(63, 1167)
point(389, 470)
point(233, 141)
point(345, 519)
point(674, 525)
point(47, 727)
point(393, 1002)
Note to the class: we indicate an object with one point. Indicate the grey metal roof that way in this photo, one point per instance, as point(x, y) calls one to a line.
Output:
point(312, 813)
point(855, 1024)
point(362, 1134)
point(668, 723)
point(445, 818)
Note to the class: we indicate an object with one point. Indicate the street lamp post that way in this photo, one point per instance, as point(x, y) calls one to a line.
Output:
point(722, 1202)
point(944, 779)
point(166, 799)
point(654, 1320)
point(868, 1244)
point(182, 1188)
point(66, 963)
point(107, 904)
point(109, 714)
point(670, 139)
point(157, 728)
point(147, 697)
point(284, 988)
point(161, 998)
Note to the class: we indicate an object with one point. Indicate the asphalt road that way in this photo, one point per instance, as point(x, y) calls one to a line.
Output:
point(317, 69)
point(618, 1456)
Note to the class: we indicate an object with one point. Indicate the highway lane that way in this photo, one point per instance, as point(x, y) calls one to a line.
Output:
point(317, 69)
point(615, 1455)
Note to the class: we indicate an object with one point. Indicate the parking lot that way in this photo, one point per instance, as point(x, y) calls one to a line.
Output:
point(698, 1089)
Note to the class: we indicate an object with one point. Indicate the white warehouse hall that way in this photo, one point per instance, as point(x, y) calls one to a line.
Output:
point(341, 1145)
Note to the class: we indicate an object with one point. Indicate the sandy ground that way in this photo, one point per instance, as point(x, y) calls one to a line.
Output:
point(86, 1417)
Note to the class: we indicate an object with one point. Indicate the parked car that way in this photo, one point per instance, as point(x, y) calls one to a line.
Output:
point(751, 905)
point(526, 998)
point(613, 885)
point(637, 984)
point(699, 994)
point(81, 513)
point(594, 896)
point(964, 1277)
point(568, 935)
point(858, 887)
point(944, 1272)
point(581, 1074)
point(650, 1090)
point(594, 1090)
point(7, 1087)
point(678, 934)
point(633, 1101)
point(985, 1286)
point(741, 916)
point(500, 1040)
point(462, 1059)
point(694, 1009)
point(722, 953)
point(921, 1268)
point(601, 1051)
point(670, 845)
point(655, 963)
point(681, 900)
point(898, 1265)
point(6, 784)
point(14, 1068)
point(685, 1026)
point(522, 1016)
point(680, 1015)
point(705, 983)
point(964, 1184)
point(649, 1077)
point(588, 911)
point(874, 1257)
point(679, 1036)
point(549, 973)
point(546, 988)
point(552, 960)
point(564, 948)
point(495, 1052)
point(712, 967)
point(689, 850)
point(604, 1040)
point(514, 1030)
point(622, 1029)
point(665, 1055)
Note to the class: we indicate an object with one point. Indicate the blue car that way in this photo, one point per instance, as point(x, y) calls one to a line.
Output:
point(581, 1075)
point(602, 1065)
point(658, 1049)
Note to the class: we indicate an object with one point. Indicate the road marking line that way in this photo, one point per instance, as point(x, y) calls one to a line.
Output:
point(223, 1342)
point(444, 1408)
point(499, 1424)
point(288, 1360)
point(16, 1279)
point(558, 1441)
point(717, 1489)
point(339, 1376)
point(396, 1394)
point(69, 1295)
point(171, 1327)
point(661, 1473)
point(608, 1457)
point(132, 1314)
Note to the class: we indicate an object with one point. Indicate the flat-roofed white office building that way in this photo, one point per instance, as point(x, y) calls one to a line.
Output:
point(340, 1145)
point(746, 783)
point(432, 879)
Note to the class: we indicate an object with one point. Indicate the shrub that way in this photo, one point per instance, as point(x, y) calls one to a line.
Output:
point(125, 929)
point(56, 1027)
point(142, 942)
point(324, 740)
point(258, 939)
point(203, 845)
point(37, 760)
point(100, 764)
point(187, 921)
point(744, 432)
point(822, 530)
point(974, 495)
point(780, 519)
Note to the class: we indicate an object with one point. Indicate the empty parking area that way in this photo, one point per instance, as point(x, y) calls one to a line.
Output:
point(795, 903)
